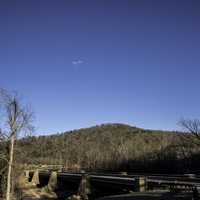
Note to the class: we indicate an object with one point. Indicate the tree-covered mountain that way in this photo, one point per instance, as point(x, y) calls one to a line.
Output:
point(115, 147)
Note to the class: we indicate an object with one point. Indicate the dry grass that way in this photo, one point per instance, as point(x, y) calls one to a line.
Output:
point(28, 191)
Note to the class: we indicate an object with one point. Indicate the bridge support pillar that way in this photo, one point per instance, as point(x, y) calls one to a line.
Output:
point(52, 184)
point(35, 180)
point(85, 188)
point(26, 172)
point(140, 184)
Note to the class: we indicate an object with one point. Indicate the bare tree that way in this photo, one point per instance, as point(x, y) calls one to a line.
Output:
point(191, 130)
point(17, 119)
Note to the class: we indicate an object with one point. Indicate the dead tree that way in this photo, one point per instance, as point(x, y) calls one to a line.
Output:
point(191, 130)
point(17, 119)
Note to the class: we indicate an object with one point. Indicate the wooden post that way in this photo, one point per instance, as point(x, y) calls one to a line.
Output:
point(140, 184)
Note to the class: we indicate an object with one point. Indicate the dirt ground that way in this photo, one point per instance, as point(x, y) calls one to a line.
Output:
point(29, 191)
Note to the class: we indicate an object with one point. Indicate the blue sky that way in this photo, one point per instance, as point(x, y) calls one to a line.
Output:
point(81, 63)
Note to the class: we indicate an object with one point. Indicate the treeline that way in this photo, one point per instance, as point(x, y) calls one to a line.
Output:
point(113, 147)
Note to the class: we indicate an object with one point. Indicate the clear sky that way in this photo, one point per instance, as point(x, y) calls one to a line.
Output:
point(81, 63)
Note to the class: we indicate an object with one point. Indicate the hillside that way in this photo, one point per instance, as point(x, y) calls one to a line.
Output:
point(115, 147)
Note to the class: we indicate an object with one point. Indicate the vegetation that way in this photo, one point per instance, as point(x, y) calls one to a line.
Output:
point(108, 147)
point(114, 147)
point(111, 147)
point(15, 119)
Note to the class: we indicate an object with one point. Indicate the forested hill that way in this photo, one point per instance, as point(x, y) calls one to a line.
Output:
point(116, 147)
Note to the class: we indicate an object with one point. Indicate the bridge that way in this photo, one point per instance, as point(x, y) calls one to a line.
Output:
point(95, 185)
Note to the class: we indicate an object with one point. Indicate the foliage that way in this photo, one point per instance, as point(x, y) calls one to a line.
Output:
point(113, 147)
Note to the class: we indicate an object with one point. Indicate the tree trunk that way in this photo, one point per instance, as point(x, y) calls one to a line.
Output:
point(8, 192)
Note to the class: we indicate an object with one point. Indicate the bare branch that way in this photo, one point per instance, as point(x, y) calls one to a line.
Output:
point(3, 169)
point(3, 157)
point(191, 128)
point(17, 119)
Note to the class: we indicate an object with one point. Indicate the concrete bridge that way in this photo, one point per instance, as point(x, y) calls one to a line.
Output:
point(91, 185)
